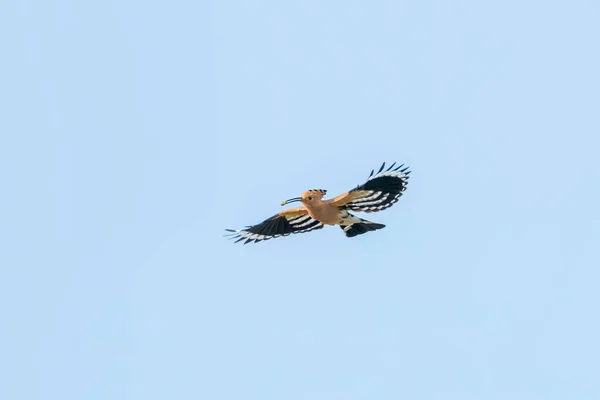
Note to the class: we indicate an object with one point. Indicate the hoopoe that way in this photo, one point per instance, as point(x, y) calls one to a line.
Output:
point(380, 191)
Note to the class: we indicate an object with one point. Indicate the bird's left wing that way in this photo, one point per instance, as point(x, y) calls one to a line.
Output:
point(293, 220)
point(380, 191)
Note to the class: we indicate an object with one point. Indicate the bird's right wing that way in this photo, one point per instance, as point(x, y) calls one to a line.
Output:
point(380, 191)
point(293, 220)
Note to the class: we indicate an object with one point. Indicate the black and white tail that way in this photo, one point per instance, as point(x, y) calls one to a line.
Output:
point(355, 226)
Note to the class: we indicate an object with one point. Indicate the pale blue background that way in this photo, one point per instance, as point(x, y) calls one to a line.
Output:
point(132, 133)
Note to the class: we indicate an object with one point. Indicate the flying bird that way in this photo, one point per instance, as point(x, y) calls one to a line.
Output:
point(380, 191)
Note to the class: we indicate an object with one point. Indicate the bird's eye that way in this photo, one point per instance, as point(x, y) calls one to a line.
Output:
point(309, 198)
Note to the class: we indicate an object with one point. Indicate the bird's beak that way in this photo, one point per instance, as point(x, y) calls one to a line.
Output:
point(291, 200)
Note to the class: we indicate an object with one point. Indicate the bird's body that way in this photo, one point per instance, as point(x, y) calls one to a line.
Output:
point(381, 191)
point(322, 211)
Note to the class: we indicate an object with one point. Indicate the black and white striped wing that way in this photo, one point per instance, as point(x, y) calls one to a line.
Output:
point(381, 190)
point(283, 224)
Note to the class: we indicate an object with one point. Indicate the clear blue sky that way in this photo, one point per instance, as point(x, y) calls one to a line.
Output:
point(132, 133)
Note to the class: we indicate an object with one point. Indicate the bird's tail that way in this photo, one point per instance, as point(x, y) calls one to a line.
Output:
point(357, 226)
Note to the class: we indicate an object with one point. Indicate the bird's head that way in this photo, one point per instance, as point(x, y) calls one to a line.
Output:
point(308, 197)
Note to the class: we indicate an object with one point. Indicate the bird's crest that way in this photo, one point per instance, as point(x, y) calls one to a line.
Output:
point(313, 194)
